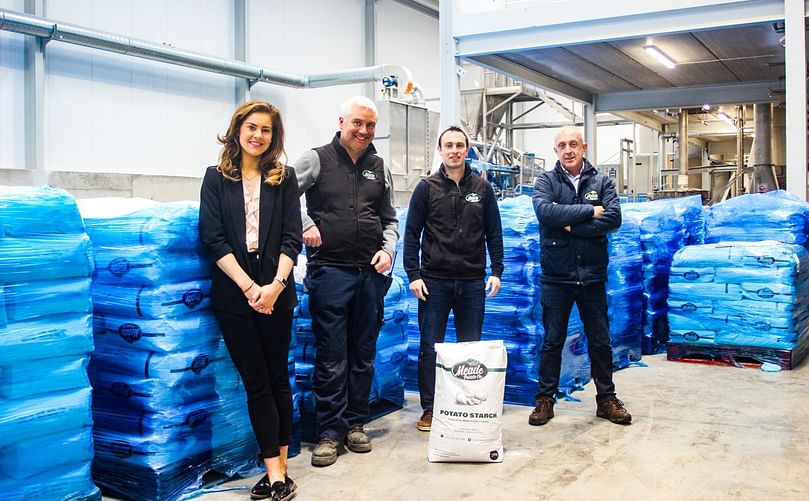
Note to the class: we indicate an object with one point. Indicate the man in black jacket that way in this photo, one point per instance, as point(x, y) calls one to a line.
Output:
point(350, 232)
point(576, 207)
point(453, 217)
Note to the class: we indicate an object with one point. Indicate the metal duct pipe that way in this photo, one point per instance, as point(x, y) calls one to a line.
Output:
point(52, 30)
point(763, 174)
point(682, 152)
point(779, 136)
point(739, 150)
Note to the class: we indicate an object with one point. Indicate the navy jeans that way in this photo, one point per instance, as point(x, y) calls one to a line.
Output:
point(557, 302)
point(466, 299)
point(347, 311)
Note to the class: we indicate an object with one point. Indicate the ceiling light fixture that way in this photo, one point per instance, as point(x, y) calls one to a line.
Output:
point(657, 54)
point(725, 118)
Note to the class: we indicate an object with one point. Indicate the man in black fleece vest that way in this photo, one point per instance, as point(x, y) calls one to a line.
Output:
point(350, 231)
point(452, 219)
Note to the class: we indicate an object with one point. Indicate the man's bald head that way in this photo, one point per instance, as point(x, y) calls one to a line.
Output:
point(570, 147)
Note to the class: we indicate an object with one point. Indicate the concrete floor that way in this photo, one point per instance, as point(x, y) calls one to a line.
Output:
point(699, 432)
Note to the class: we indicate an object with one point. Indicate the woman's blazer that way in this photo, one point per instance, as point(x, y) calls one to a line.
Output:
point(222, 231)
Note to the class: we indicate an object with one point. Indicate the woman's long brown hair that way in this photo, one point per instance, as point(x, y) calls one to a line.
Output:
point(269, 164)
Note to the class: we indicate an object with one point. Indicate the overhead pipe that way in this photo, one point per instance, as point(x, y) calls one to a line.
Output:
point(682, 146)
point(740, 150)
point(47, 29)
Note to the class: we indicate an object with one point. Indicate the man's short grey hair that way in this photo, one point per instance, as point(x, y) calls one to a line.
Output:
point(361, 101)
point(568, 129)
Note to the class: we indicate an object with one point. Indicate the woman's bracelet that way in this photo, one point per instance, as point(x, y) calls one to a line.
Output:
point(252, 283)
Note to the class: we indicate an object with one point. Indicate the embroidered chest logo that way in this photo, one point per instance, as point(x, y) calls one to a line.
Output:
point(369, 174)
point(472, 198)
point(591, 195)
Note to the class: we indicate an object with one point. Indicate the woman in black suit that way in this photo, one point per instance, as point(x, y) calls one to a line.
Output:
point(250, 226)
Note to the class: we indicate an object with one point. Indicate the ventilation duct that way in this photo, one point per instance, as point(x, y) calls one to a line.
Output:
point(761, 151)
point(46, 29)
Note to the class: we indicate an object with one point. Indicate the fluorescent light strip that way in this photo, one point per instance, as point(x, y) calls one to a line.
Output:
point(664, 59)
point(725, 118)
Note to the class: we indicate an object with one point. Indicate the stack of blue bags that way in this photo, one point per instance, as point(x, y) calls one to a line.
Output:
point(776, 215)
point(513, 315)
point(692, 214)
point(304, 357)
point(168, 404)
point(750, 294)
point(410, 372)
point(391, 348)
point(744, 289)
point(625, 294)
point(661, 235)
point(387, 386)
point(46, 440)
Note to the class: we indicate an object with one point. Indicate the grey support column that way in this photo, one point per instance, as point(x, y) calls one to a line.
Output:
point(34, 96)
point(242, 92)
point(795, 52)
point(450, 80)
point(682, 150)
point(370, 45)
point(763, 174)
point(590, 135)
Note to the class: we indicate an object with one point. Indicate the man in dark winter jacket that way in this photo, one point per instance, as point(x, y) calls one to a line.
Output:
point(453, 218)
point(576, 207)
point(350, 231)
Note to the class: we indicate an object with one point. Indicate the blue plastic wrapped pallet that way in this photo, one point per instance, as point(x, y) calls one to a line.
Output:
point(511, 315)
point(661, 235)
point(741, 294)
point(45, 340)
point(776, 215)
point(690, 212)
point(168, 404)
point(625, 294)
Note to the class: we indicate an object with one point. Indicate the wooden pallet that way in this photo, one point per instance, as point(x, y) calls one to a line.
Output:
point(737, 356)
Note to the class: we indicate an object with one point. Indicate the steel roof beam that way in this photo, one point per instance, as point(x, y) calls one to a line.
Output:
point(515, 29)
point(497, 63)
point(685, 97)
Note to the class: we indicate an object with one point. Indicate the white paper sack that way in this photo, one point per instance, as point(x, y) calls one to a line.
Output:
point(470, 379)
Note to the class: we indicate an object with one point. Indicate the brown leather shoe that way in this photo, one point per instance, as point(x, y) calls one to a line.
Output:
point(542, 413)
point(426, 421)
point(615, 411)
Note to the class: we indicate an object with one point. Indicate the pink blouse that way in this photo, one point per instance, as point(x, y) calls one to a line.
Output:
point(252, 195)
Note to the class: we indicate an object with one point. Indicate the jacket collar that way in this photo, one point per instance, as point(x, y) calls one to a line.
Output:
point(467, 171)
point(587, 169)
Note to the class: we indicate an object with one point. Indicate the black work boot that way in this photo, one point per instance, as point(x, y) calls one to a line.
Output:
point(357, 440)
point(325, 452)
